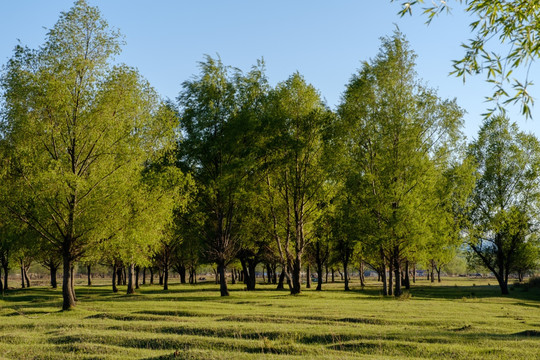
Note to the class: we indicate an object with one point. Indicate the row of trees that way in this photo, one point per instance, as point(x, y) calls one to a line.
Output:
point(95, 167)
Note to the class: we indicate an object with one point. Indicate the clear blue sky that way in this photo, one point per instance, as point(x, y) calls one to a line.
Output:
point(324, 40)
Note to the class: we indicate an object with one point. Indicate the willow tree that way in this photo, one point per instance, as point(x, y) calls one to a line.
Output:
point(400, 138)
point(297, 125)
point(216, 116)
point(504, 204)
point(78, 132)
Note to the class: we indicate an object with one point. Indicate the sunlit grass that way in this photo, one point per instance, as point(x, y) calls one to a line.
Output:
point(458, 319)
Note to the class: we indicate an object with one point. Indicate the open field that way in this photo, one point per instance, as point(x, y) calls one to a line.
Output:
point(454, 320)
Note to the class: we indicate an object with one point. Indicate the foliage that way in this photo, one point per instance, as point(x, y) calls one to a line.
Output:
point(505, 39)
point(504, 205)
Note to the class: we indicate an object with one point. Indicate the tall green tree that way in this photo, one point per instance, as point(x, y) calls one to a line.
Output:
point(78, 132)
point(504, 204)
point(297, 124)
point(398, 138)
point(215, 110)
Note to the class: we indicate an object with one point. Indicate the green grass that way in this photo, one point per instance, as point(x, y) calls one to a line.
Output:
point(454, 320)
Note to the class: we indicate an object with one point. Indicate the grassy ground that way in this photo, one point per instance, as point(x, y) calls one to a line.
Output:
point(454, 320)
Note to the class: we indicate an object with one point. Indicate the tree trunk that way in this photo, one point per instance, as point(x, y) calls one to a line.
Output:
point(89, 274)
point(502, 284)
point(73, 281)
point(432, 271)
point(137, 271)
point(390, 278)
point(414, 274)
point(382, 273)
point(130, 278)
point(166, 277)
point(407, 282)
point(296, 272)
point(274, 274)
point(144, 276)
point(52, 270)
point(361, 275)
point(319, 275)
point(26, 275)
point(182, 274)
point(346, 274)
point(438, 269)
point(269, 273)
point(114, 280)
point(222, 280)
point(4, 258)
point(151, 275)
point(333, 275)
point(22, 275)
point(67, 283)
point(281, 279)
point(308, 277)
point(397, 270)
point(118, 276)
point(326, 275)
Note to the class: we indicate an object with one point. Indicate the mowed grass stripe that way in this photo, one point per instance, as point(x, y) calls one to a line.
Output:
point(193, 322)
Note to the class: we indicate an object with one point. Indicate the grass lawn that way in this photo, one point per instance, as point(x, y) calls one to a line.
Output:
point(458, 319)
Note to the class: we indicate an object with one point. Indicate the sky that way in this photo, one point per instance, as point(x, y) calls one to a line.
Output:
point(326, 41)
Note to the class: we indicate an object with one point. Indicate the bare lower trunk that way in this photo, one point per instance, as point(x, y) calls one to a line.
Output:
point(222, 280)
point(144, 276)
point(390, 278)
point(130, 279)
point(308, 277)
point(22, 275)
point(114, 274)
point(137, 271)
point(89, 274)
point(72, 280)
point(361, 275)
point(296, 270)
point(166, 277)
point(4, 259)
point(407, 282)
point(397, 271)
point(151, 276)
point(182, 274)
point(503, 284)
point(281, 279)
point(320, 276)
point(326, 275)
point(67, 284)
point(414, 274)
point(383, 280)
point(53, 270)
point(346, 274)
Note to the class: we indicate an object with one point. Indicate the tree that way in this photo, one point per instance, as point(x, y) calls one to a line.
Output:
point(504, 205)
point(297, 122)
point(399, 137)
point(215, 112)
point(512, 26)
point(78, 132)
